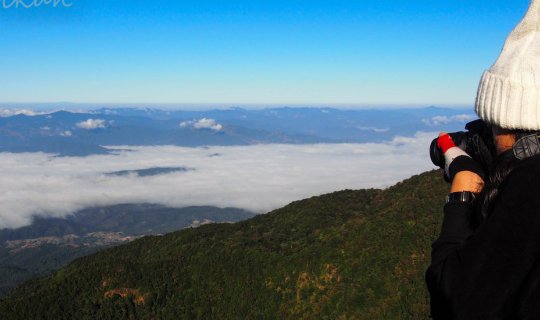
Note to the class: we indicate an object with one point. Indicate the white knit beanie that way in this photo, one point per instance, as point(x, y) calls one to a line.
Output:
point(509, 92)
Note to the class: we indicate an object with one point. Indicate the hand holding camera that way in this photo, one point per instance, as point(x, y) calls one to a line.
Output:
point(465, 155)
point(456, 159)
point(477, 142)
point(464, 172)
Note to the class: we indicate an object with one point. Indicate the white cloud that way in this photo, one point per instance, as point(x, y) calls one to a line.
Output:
point(185, 124)
point(91, 124)
point(203, 123)
point(14, 112)
point(374, 129)
point(464, 117)
point(66, 134)
point(106, 111)
point(258, 178)
point(440, 120)
point(207, 124)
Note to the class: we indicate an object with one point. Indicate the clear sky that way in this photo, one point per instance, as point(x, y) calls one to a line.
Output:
point(275, 51)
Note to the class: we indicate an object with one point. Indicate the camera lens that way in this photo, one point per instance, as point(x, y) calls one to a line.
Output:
point(435, 154)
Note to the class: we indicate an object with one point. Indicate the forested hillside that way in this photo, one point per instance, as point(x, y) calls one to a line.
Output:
point(346, 255)
point(50, 243)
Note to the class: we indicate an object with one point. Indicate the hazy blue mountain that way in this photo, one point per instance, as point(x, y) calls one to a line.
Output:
point(149, 172)
point(80, 134)
point(364, 124)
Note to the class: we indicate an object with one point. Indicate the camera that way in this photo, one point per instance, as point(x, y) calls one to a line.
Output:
point(477, 141)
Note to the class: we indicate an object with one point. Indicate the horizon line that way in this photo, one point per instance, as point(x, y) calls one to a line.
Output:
point(241, 104)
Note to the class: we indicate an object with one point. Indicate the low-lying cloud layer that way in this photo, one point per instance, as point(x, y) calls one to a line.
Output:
point(14, 112)
point(440, 120)
point(258, 178)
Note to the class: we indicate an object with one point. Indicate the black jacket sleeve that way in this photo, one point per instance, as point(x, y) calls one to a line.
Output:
point(478, 274)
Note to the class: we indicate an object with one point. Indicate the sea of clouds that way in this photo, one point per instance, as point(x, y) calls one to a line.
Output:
point(257, 178)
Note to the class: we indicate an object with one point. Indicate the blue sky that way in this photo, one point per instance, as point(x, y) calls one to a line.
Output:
point(364, 52)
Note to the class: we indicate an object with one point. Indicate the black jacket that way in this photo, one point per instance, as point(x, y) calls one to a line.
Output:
point(492, 272)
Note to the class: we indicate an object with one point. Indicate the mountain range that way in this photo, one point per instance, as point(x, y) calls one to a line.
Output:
point(91, 132)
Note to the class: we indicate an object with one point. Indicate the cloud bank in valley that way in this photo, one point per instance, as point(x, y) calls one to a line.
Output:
point(258, 178)
point(14, 112)
point(441, 120)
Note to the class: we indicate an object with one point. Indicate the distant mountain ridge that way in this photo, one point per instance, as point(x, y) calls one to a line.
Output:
point(81, 134)
point(49, 243)
point(149, 172)
point(345, 255)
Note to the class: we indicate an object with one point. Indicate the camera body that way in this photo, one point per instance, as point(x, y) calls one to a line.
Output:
point(477, 141)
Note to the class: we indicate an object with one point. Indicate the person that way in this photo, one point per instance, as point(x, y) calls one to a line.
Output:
point(486, 261)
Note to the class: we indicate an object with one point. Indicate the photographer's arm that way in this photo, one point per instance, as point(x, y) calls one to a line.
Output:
point(457, 224)
point(456, 227)
point(464, 173)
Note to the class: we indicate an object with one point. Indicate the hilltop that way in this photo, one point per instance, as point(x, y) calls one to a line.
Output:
point(345, 255)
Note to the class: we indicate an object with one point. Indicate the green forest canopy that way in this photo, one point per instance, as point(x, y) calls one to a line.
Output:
point(345, 255)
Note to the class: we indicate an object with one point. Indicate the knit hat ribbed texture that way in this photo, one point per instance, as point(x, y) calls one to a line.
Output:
point(509, 92)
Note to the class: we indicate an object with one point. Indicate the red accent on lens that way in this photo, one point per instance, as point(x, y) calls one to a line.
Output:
point(445, 142)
